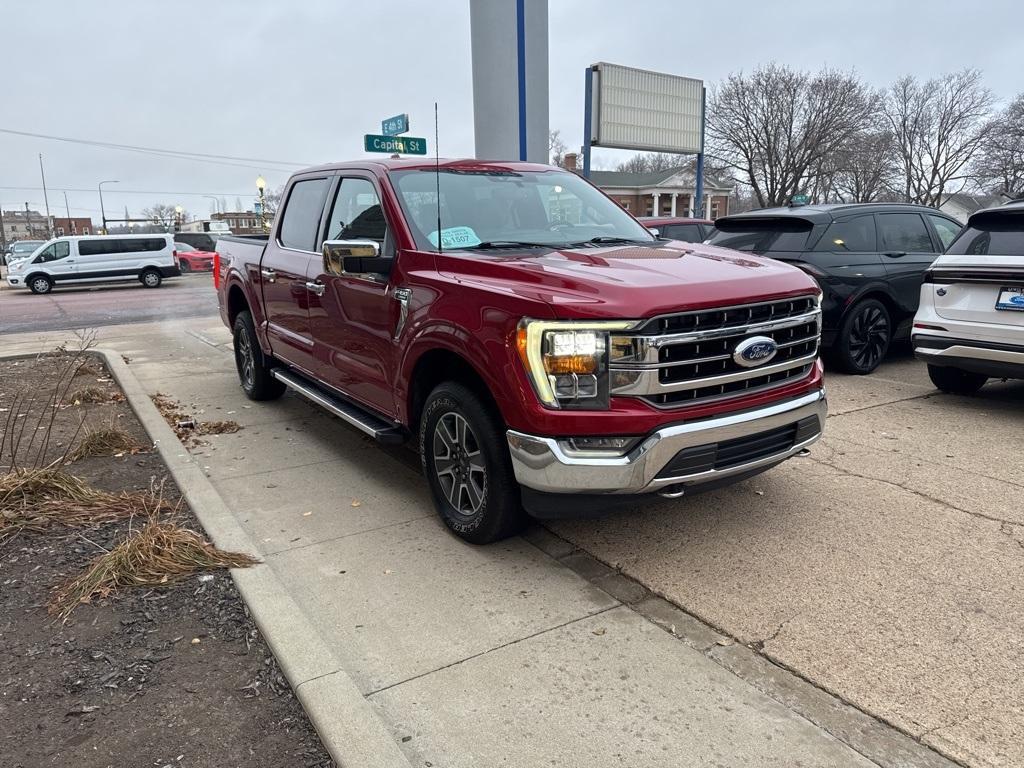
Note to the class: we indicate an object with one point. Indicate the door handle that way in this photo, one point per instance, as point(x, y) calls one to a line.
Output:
point(269, 275)
point(317, 287)
point(895, 254)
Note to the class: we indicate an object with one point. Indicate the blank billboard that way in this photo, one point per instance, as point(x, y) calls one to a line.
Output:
point(648, 111)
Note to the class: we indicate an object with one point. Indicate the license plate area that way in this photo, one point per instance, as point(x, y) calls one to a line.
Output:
point(1011, 298)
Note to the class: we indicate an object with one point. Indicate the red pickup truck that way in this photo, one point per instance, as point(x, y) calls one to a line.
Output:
point(548, 352)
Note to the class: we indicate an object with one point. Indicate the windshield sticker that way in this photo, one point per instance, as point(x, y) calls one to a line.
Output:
point(455, 237)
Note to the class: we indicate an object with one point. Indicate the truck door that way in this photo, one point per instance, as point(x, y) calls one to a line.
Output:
point(355, 315)
point(284, 276)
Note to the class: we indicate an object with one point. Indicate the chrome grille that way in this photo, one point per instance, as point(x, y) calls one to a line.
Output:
point(679, 359)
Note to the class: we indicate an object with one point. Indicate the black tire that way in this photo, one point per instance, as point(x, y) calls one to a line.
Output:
point(864, 338)
point(184, 267)
point(253, 366)
point(476, 494)
point(151, 278)
point(39, 284)
point(955, 380)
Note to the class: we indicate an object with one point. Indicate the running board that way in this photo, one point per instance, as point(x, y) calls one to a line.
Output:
point(349, 412)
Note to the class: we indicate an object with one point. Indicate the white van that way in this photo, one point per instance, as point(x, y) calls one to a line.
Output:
point(96, 259)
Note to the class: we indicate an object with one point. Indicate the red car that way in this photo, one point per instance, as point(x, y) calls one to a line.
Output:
point(543, 349)
point(679, 228)
point(191, 259)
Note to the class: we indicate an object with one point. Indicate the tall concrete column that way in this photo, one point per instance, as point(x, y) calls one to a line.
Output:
point(509, 42)
point(674, 196)
point(657, 209)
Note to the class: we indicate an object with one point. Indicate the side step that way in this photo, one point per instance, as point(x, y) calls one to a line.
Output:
point(347, 411)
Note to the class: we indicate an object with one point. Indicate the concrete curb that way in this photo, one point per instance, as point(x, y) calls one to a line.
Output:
point(349, 726)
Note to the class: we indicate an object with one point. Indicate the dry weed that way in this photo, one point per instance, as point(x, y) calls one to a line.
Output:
point(158, 553)
point(105, 441)
point(94, 396)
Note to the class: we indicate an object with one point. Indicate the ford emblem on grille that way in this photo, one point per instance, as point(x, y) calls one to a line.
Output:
point(755, 351)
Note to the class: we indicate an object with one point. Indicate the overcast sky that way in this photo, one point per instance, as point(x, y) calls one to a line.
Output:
point(302, 81)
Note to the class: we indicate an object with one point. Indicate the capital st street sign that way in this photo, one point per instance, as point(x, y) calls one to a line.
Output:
point(402, 145)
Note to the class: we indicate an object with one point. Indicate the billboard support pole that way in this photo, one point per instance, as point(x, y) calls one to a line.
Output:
point(698, 209)
point(588, 107)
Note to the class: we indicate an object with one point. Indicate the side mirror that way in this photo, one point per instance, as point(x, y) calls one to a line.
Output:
point(354, 257)
point(654, 231)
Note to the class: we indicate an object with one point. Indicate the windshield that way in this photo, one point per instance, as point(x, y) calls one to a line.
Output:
point(992, 235)
point(26, 246)
point(761, 235)
point(510, 207)
point(184, 247)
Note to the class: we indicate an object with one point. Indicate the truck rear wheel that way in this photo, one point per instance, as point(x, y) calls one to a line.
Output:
point(253, 368)
point(465, 459)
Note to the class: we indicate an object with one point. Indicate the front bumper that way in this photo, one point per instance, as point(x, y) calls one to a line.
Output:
point(674, 457)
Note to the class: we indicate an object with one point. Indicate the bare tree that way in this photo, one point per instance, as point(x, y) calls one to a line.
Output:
point(649, 162)
point(938, 128)
point(164, 215)
point(556, 148)
point(861, 171)
point(999, 166)
point(272, 200)
point(774, 127)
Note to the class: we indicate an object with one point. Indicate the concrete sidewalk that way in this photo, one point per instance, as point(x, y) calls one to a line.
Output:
point(512, 654)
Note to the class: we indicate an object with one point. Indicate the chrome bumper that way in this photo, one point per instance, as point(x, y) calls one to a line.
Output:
point(546, 464)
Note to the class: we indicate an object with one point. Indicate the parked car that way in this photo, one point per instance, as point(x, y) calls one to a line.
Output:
point(970, 326)
point(869, 260)
point(558, 364)
point(203, 241)
point(96, 259)
point(676, 228)
point(21, 249)
point(191, 259)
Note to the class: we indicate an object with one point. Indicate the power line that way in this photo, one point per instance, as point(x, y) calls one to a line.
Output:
point(184, 155)
point(113, 191)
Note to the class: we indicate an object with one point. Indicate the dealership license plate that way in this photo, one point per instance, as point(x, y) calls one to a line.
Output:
point(1011, 298)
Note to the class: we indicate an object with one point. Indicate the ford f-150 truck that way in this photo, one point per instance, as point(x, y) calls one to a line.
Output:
point(548, 352)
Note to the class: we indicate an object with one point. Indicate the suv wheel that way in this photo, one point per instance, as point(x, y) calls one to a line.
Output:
point(462, 448)
point(151, 278)
point(864, 338)
point(253, 368)
point(956, 381)
point(40, 284)
point(185, 267)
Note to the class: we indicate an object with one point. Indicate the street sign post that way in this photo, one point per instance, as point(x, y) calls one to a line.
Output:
point(402, 145)
point(393, 126)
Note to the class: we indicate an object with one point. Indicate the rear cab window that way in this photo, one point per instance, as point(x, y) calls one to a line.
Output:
point(690, 233)
point(300, 223)
point(762, 235)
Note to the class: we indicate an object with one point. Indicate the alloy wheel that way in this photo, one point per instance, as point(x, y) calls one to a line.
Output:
point(246, 360)
point(459, 464)
point(869, 337)
point(41, 285)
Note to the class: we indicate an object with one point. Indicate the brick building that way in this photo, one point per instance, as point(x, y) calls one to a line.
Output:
point(73, 226)
point(243, 222)
point(660, 193)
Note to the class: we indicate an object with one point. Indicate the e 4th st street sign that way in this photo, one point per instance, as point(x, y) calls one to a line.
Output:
point(402, 145)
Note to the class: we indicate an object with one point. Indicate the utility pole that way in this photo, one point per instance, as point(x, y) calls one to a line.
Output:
point(46, 199)
point(3, 234)
point(28, 222)
point(67, 210)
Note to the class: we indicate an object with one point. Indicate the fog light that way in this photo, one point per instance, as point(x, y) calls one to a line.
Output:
point(598, 446)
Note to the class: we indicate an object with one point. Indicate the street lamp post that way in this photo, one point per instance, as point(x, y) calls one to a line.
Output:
point(103, 212)
point(216, 204)
point(261, 185)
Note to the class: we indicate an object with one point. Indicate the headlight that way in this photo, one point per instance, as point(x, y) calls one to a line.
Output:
point(567, 361)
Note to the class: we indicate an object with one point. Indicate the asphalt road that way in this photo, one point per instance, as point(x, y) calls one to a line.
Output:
point(100, 305)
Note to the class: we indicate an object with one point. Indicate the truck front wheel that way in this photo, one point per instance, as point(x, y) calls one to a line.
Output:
point(466, 461)
point(253, 369)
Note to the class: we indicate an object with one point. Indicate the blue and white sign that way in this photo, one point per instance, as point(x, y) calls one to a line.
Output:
point(755, 351)
point(453, 238)
point(1011, 298)
point(394, 126)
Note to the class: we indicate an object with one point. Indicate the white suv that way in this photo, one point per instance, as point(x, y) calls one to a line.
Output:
point(970, 326)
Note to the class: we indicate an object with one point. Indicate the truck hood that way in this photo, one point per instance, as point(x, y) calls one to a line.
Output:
point(630, 281)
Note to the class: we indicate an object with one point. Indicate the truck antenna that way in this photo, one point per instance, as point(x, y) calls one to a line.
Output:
point(437, 179)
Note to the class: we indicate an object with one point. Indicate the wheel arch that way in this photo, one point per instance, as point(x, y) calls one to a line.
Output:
point(434, 366)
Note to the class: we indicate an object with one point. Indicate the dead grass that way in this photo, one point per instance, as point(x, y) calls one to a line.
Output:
point(39, 500)
point(185, 426)
point(217, 427)
point(94, 396)
point(158, 553)
point(90, 368)
point(105, 441)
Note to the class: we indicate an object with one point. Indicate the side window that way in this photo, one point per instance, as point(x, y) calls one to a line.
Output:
point(689, 233)
point(357, 213)
point(856, 234)
point(301, 217)
point(904, 232)
point(53, 252)
point(946, 229)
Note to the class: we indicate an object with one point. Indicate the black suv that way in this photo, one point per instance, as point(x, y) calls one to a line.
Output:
point(868, 258)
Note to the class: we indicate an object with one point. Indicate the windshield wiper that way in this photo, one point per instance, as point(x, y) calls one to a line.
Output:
point(494, 244)
point(608, 240)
